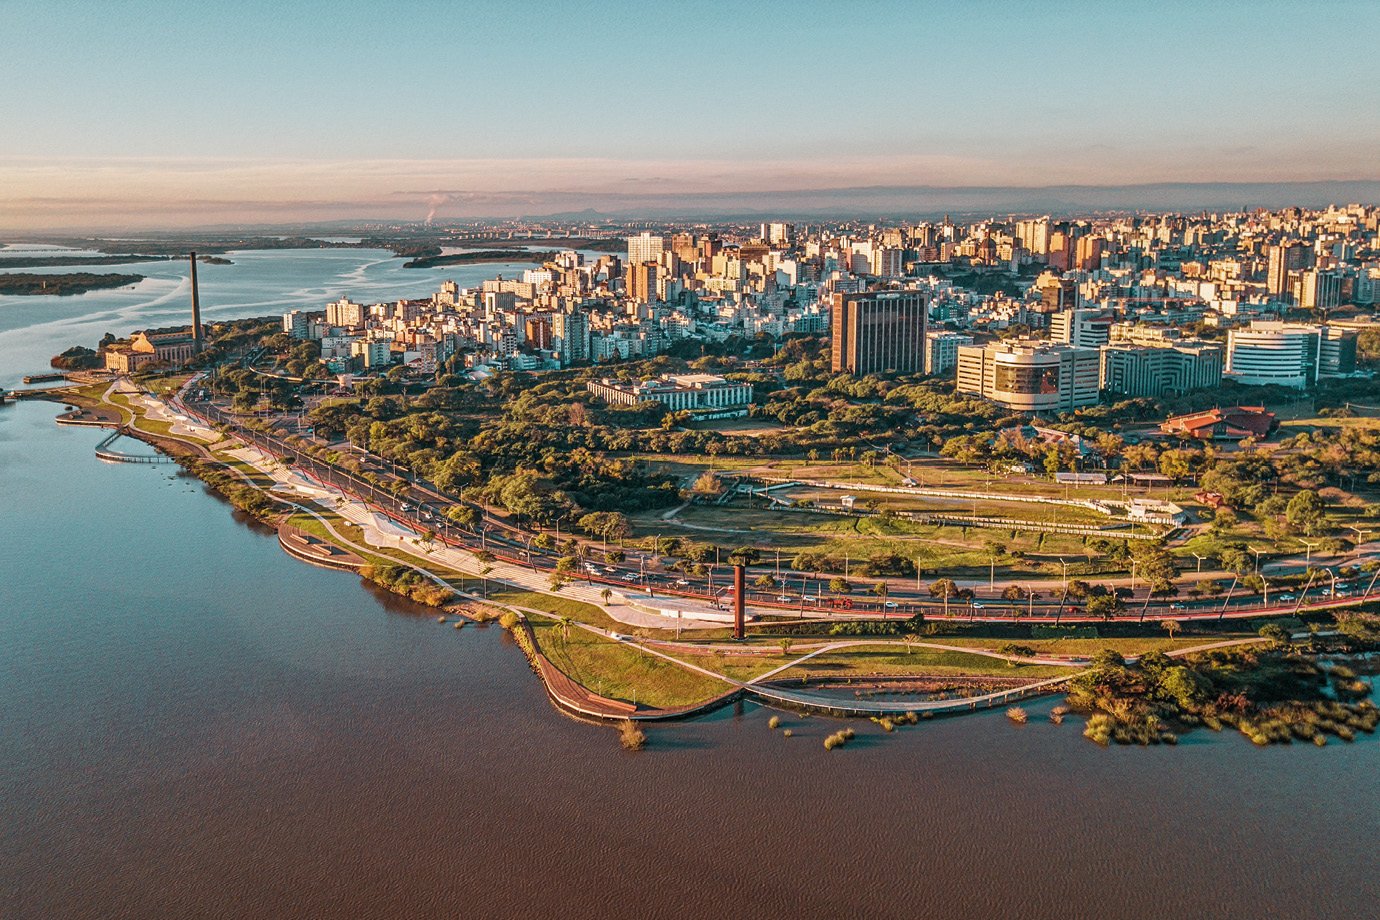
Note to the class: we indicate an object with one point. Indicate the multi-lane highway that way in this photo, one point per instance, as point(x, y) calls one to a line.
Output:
point(419, 505)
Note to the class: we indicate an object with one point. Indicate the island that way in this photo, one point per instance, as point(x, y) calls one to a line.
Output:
point(61, 261)
point(25, 284)
point(481, 255)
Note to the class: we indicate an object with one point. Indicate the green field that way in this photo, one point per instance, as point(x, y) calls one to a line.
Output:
point(618, 671)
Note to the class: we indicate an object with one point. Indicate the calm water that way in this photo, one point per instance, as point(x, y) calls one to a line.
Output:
point(194, 725)
point(262, 283)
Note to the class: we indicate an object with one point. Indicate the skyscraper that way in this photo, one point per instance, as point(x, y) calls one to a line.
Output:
point(645, 247)
point(879, 331)
point(572, 331)
point(1284, 261)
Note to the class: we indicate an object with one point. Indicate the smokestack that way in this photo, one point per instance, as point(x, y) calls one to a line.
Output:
point(196, 308)
point(739, 602)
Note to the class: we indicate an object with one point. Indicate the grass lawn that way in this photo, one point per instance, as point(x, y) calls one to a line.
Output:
point(618, 671)
point(895, 661)
point(960, 551)
point(553, 604)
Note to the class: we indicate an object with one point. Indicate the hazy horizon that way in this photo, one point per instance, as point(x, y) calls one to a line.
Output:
point(176, 115)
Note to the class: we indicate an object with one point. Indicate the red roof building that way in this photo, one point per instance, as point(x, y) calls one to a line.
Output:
point(1229, 424)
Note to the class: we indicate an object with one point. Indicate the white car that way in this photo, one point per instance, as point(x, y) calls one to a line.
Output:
point(1288, 597)
point(783, 598)
point(979, 605)
point(890, 605)
point(809, 598)
point(630, 576)
point(681, 582)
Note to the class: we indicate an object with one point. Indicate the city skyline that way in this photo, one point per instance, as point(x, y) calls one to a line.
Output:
point(172, 116)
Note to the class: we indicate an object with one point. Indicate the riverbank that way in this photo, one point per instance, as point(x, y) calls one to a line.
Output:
point(574, 636)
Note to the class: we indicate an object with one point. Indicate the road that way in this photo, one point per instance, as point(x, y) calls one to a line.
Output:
point(421, 506)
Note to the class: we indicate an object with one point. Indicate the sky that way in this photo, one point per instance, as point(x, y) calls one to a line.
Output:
point(141, 114)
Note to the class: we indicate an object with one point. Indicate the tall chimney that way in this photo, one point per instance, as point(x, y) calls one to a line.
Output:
point(196, 308)
point(739, 602)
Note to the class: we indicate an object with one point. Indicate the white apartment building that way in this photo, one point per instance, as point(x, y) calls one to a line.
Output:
point(941, 350)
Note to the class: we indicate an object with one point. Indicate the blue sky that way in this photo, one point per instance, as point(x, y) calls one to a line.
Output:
point(313, 106)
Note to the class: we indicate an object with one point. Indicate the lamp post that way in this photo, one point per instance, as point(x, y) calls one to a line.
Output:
point(1307, 551)
point(1200, 561)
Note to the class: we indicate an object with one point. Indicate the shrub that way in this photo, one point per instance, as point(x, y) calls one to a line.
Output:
point(1018, 715)
point(774, 722)
point(509, 620)
point(630, 736)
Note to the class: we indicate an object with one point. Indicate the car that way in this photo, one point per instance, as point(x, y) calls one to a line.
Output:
point(1177, 605)
point(591, 569)
point(1342, 592)
point(979, 605)
point(681, 582)
point(783, 598)
point(610, 569)
point(890, 605)
point(809, 598)
point(630, 576)
point(1288, 596)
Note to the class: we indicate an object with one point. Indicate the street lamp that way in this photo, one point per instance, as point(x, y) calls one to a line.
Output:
point(1307, 551)
point(1257, 558)
point(1200, 561)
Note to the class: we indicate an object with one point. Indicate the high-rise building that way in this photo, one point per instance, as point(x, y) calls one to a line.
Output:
point(878, 331)
point(345, 312)
point(1030, 376)
point(1289, 354)
point(570, 334)
point(1086, 328)
point(1034, 236)
point(645, 247)
point(1059, 294)
point(1159, 370)
point(1285, 260)
point(641, 281)
point(1088, 255)
point(941, 350)
point(1319, 290)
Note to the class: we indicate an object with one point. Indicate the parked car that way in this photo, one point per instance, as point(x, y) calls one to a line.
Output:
point(890, 605)
point(809, 598)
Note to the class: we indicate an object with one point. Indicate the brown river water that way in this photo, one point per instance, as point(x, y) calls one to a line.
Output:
point(194, 725)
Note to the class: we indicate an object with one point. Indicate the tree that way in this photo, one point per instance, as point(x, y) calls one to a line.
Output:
point(605, 595)
point(1013, 593)
point(1305, 511)
point(764, 581)
point(786, 647)
point(1171, 627)
point(839, 586)
point(1104, 605)
point(944, 588)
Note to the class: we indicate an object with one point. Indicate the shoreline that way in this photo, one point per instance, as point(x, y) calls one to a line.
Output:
point(197, 446)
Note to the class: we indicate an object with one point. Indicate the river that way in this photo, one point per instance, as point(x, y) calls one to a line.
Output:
point(194, 725)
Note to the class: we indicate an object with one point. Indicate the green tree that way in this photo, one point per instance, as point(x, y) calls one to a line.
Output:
point(1305, 512)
